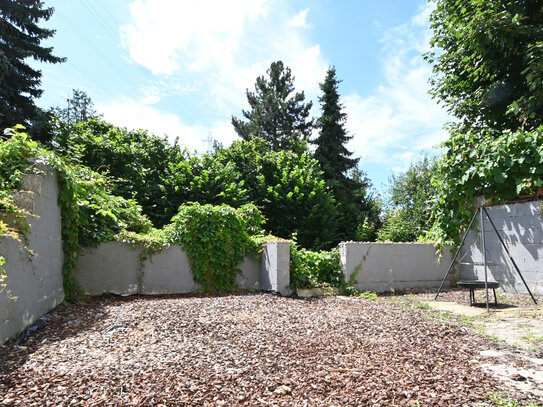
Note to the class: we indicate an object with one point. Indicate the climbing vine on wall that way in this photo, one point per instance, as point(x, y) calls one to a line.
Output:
point(497, 166)
point(215, 239)
point(90, 213)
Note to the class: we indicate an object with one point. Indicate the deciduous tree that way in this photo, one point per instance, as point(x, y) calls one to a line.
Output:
point(487, 59)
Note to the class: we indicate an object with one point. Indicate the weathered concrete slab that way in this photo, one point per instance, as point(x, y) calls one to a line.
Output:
point(34, 282)
point(111, 267)
point(275, 267)
point(167, 272)
point(521, 227)
point(383, 267)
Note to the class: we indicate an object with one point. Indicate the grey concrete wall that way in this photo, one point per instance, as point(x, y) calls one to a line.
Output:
point(521, 227)
point(383, 267)
point(275, 267)
point(35, 280)
point(111, 267)
point(118, 268)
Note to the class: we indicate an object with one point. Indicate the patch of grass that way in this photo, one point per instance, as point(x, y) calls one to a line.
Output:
point(422, 305)
point(533, 338)
point(368, 295)
point(505, 401)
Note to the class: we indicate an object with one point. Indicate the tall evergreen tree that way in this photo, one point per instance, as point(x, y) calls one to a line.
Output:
point(277, 116)
point(349, 186)
point(20, 38)
point(331, 152)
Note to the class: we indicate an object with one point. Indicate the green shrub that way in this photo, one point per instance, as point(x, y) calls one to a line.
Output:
point(215, 238)
point(498, 166)
point(310, 269)
point(90, 212)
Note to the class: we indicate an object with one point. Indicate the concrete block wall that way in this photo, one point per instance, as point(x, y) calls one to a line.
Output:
point(34, 278)
point(521, 227)
point(384, 267)
point(118, 268)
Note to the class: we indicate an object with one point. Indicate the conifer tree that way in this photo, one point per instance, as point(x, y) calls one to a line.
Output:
point(277, 116)
point(20, 38)
point(333, 156)
point(350, 192)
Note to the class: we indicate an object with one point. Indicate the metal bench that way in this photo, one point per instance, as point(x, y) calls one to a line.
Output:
point(472, 285)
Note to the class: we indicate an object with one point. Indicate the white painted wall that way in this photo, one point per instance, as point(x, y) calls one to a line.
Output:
point(384, 267)
point(521, 227)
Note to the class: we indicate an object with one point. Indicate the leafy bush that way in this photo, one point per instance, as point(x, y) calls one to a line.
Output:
point(140, 164)
point(310, 269)
point(408, 216)
point(288, 188)
point(90, 213)
point(215, 239)
point(496, 166)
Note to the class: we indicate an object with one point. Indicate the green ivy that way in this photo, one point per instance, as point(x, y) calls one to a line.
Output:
point(215, 239)
point(497, 166)
point(90, 213)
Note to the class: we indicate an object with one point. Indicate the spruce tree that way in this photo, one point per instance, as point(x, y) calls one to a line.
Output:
point(277, 116)
point(20, 38)
point(333, 156)
point(335, 160)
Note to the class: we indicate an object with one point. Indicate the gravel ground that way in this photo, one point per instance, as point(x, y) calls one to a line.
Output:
point(251, 349)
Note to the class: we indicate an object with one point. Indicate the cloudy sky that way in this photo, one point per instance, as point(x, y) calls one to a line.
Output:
point(180, 68)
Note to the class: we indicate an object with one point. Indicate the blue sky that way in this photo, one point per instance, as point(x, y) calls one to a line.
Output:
point(181, 68)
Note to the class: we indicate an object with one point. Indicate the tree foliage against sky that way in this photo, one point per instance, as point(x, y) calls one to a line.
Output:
point(409, 214)
point(488, 70)
point(331, 152)
point(79, 108)
point(20, 38)
point(350, 192)
point(487, 59)
point(278, 115)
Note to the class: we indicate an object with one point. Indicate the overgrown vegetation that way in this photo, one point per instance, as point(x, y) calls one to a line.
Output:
point(408, 216)
point(215, 239)
point(90, 212)
point(480, 164)
point(310, 269)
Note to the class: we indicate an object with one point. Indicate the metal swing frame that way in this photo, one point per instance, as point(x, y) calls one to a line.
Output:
point(482, 212)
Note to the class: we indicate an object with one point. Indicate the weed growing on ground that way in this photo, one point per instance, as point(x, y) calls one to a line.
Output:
point(505, 401)
point(369, 295)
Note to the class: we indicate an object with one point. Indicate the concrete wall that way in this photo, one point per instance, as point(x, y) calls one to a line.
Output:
point(275, 267)
point(34, 279)
point(521, 227)
point(382, 267)
point(118, 268)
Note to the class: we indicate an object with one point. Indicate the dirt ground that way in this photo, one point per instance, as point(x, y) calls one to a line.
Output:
point(262, 349)
point(515, 321)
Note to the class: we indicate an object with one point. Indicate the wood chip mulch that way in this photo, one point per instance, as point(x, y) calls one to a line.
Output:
point(251, 349)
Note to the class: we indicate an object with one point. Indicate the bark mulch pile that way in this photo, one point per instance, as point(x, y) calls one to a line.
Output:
point(253, 349)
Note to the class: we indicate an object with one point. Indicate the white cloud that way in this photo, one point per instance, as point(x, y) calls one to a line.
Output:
point(300, 20)
point(134, 115)
point(165, 34)
point(393, 125)
point(216, 49)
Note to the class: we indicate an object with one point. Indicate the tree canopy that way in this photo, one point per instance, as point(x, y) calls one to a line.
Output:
point(20, 38)
point(409, 215)
point(350, 192)
point(487, 62)
point(333, 156)
point(277, 115)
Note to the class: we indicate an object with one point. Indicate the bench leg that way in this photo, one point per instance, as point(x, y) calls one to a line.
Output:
point(471, 296)
point(495, 299)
